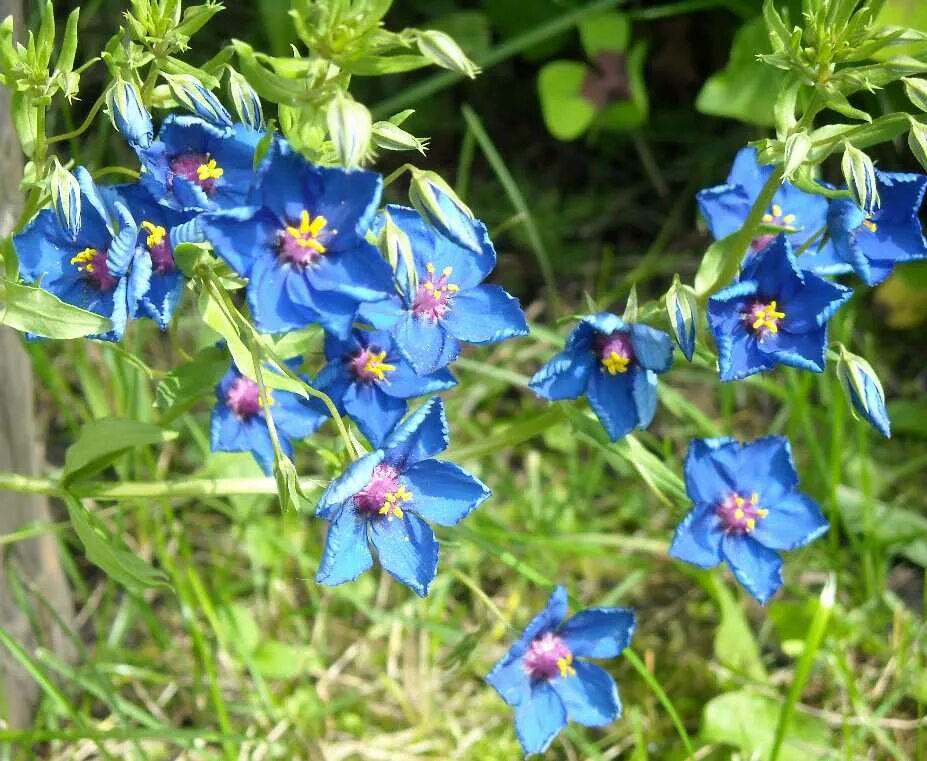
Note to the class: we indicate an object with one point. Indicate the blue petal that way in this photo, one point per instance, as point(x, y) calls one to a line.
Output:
point(758, 568)
point(748, 173)
point(485, 314)
point(724, 207)
point(333, 311)
point(599, 632)
point(139, 283)
point(644, 390)
point(346, 555)
point(766, 467)
point(405, 383)
point(539, 718)
point(360, 273)
point(407, 550)
point(590, 696)
point(793, 521)
point(874, 408)
point(698, 538)
point(652, 348)
point(422, 435)
point(442, 492)
point(228, 433)
point(711, 469)
point(269, 297)
point(383, 314)
point(295, 416)
point(375, 413)
point(509, 679)
point(806, 351)
point(279, 182)
point(612, 399)
point(566, 376)
point(813, 305)
point(425, 344)
point(44, 250)
point(241, 236)
point(355, 477)
point(347, 199)
point(163, 297)
point(605, 323)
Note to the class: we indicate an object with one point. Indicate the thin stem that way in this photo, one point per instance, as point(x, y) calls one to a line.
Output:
point(85, 125)
point(395, 175)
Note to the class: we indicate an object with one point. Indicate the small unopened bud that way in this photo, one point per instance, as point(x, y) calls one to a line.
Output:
point(128, 114)
point(916, 90)
point(246, 101)
point(864, 391)
point(917, 142)
point(682, 310)
point(396, 248)
point(350, 128)
point(65, 195)
point(437, 202)
point(441, 49)
point(859, 173)
point(797, 148)
point(193, 95)
point(389, 137)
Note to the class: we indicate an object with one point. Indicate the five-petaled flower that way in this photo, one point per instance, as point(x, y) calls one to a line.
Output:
point(92, 268)
point(773, 314)
point(746, 507)
point(873, 242)
point(239, 425)
point(444, 302)
point(301, 243)
point(542, 678)
point(615, 365)
point(368, 379)
point(725, 208)
point(384, 499)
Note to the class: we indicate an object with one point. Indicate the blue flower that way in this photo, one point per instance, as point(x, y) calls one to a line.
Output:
point(238, 423)
point(725, 207)
point(384, 499)
point(615, 365)
point(773, 314)
point(873, 243)
point(443, 302)
point(195, 165)
point(93, 268)
point(301, 243)
point(541, 678)
point(746, 508)
point(368, 379)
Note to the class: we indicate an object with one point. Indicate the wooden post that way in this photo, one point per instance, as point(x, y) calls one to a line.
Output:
point(36, 560)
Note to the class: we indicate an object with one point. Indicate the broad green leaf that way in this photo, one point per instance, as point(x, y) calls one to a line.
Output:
point(22, 109)
point(567, 113)
point(100, 442)
point(192, 380)
point(34, 310)
point(714, 263)
point(105, 552)
point(281, 660)
point(630, 114)
point(65, 61)
point(268, 84)
point(735, 644)
point(606, 32)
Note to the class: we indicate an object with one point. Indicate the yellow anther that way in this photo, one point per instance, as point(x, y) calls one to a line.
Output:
point(156, 234)
point(739, 513)
point(452, 288)
point(768, 317)
point(739, 501)
point(376, 367)
point(789, 219)
point(751, 524)
point(777, 210)
point(84, 260)
point(308, 231)
point(768, 219)
point(870, 225)
point(430, 268)
point(209, 171)
point(762, 512)
point(615, 363)
point(564, 664)
point(754, 499)
point(447, 271)
point(391, 502)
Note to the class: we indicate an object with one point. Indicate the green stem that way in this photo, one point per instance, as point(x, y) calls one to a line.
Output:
point(85, 125)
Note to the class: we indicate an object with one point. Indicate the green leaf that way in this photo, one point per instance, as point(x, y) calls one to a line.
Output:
point(45, 41)
point(65, 61)
point(747, 720)
point(100, 442)
point(567, 113)
point(606, 32)
point(268, 84)
point(186, 384)
point(22, 109)
point(196, 17)
point(281, 660)
point(714, 264)
point(735, 646)
point(901, 531)
point(33, 310)
point(105, 552)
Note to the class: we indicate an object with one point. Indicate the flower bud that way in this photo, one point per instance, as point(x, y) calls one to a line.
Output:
point(437, 202)
point(442, 50)
point(192, 95)
point(390, 137)
point(65, 194)
point(396, 247)
point(916, 90)
point(128, 114)
point(917, 142)
point(859, 173)
point(797, 148)
point(246, 101)
point(864, 391)
point(682, 310)
point(350, 128)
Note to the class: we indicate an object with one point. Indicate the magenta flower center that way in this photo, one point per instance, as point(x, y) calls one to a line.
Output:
point(244, 398)
point(302, 244)
point(739, 514)
point(92, 264)
point(775, 216)
point(159, 248)
point(763, 317)
point(548, 657)
point(434, 295)
point(615, 352)
point(384, 494)
point(370, 365)
point(198, 168)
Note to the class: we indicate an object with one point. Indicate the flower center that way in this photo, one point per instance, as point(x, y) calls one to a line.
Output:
point(615, 352)
point(739, 515)
point(371, 365)
point(198, 168)
point(775, 216)
point(300, 244)
point(159, 248)
point(92, 263)
point(244, 398)
point(434, 295)
point(384, 494)
point(764, 318)
point(548, 657)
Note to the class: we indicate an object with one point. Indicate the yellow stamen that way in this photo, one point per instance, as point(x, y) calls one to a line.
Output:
point(209, 171)
point(762, 512)
point(615, 363)
point(565, 668)
point(768, 317)
point(870, 225)
point(754, 499)
point(447, 271)
point(739, 501)
point(768, 219)
point(83, 260)
point(376, 367)
point(751, 524)
point(739, 514)
point(789, 219)
point(156, 234)
point(309, 229)
point(452, 288)
point(391, 502)
point(430, 268)
point(777, 210)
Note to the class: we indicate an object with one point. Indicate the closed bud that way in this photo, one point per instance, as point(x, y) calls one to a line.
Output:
point(859, 173)
point(391, 137)
point(916, 90)
point(246, 101)
point(350, 128)
point(289, 490)
point(441, 49)
point(682, 311)
point(797, 147)
point(128, 114)
point(917, 142)
point(864, 391)
point(192, 95)
point(65, 195)
point(396, 247)
point(437, 202)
